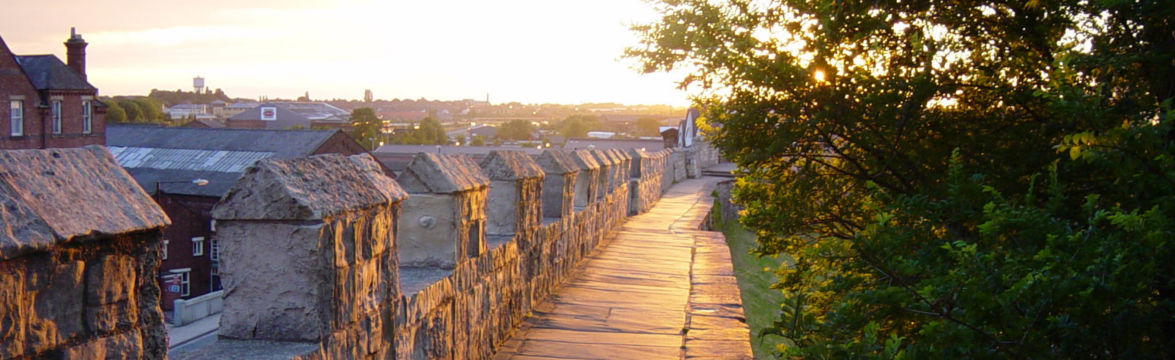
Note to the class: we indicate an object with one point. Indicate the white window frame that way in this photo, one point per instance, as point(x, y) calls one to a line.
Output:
point(213, 249)
point(16, 117)
point(185, 275)
point(163, 249)
point(56, 127)
point(198, 246)
point(87, 117)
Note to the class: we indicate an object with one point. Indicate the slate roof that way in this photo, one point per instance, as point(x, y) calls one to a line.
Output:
point(53, 196)
point(47, 72)
point(177, 155)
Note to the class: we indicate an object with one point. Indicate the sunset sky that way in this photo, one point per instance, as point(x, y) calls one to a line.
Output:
point(530, 51)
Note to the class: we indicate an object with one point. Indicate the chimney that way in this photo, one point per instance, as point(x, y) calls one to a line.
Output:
point(75, 54)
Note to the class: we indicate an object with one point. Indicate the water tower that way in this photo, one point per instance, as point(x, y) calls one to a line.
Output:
point(198, 84)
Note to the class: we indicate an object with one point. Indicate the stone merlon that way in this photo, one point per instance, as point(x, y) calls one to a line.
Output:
point(510, 165)
point(431, 173)
point(557, 162)
point(54, 196)
point(308, 188)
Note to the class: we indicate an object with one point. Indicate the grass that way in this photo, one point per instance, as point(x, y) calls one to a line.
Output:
point(755, 276)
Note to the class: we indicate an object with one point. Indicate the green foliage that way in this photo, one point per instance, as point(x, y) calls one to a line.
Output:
point(140, 110)
point(577, 126)
point(170, 98)
point(368, 128)
point(429, 132)
point(477, 140)
point(647, 126)
point(962, 179)
point(516, 130)
point(114, 113)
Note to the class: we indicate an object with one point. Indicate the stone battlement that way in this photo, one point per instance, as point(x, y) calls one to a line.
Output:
point(322, 257)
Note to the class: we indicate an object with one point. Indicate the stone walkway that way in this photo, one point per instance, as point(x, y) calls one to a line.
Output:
point(661, 289)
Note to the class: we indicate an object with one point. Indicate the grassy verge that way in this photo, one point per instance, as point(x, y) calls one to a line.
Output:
point(755, 276)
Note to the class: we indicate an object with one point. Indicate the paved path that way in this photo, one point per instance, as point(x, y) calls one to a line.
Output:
point(662, 289)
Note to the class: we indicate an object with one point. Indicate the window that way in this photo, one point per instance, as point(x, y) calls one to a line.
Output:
point(213, 250)
point(56, 116)
point(87, 122)
point(16, 117)
point(198, 246)
point(163, 249)
point(185, 280)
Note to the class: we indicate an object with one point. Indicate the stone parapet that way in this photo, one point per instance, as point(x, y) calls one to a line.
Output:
point(78, 251)
point(439, 288)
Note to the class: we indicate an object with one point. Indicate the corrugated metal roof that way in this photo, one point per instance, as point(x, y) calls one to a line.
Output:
point(187, 159)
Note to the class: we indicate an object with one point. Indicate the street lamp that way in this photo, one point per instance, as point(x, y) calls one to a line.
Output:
point(197, 182)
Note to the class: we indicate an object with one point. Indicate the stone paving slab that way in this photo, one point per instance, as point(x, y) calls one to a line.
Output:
point(661, 289)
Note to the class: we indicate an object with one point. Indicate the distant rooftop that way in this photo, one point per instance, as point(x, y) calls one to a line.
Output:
point(176, 155)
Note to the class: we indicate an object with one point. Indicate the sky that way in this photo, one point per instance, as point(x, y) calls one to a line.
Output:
point(529, 51)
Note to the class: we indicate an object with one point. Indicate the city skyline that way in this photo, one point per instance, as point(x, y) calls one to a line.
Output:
point(525, 51)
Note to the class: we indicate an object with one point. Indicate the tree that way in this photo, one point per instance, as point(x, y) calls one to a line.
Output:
point(150, 109)
point(368, 128)
point(431, 132)
point(577, 126)
point(647, 126)
point(133, 112)
point(905, 155)
point(516, 130)
point(477, 140)
point(114, 113)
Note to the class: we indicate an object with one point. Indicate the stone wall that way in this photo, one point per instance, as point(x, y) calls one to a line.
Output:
point(463, 309)
point(79, 247)
point(645, 185)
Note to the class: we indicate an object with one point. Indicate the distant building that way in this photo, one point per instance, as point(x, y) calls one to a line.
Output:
point(166, 161)
point(291, 115)
point(188, 111)
point(48, 104)
point(225, 111)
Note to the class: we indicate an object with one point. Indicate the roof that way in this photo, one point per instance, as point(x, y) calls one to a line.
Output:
point(623, 144)
point(175, 156)
point(53, 196)
point(510, 165)
point(47, 72)
point(442, 174)
point(308, 188)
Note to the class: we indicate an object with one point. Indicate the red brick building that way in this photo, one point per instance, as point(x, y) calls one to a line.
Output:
point(47, 103)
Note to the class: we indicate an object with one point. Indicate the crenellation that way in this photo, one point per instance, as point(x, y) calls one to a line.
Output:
point(366, 269)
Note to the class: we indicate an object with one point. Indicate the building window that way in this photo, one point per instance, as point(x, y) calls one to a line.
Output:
point(87, 121)
point(16, 117)
point(56, 116)
point(213, 250)
point(163, 249)
point(198, 246)
point(185, 281)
